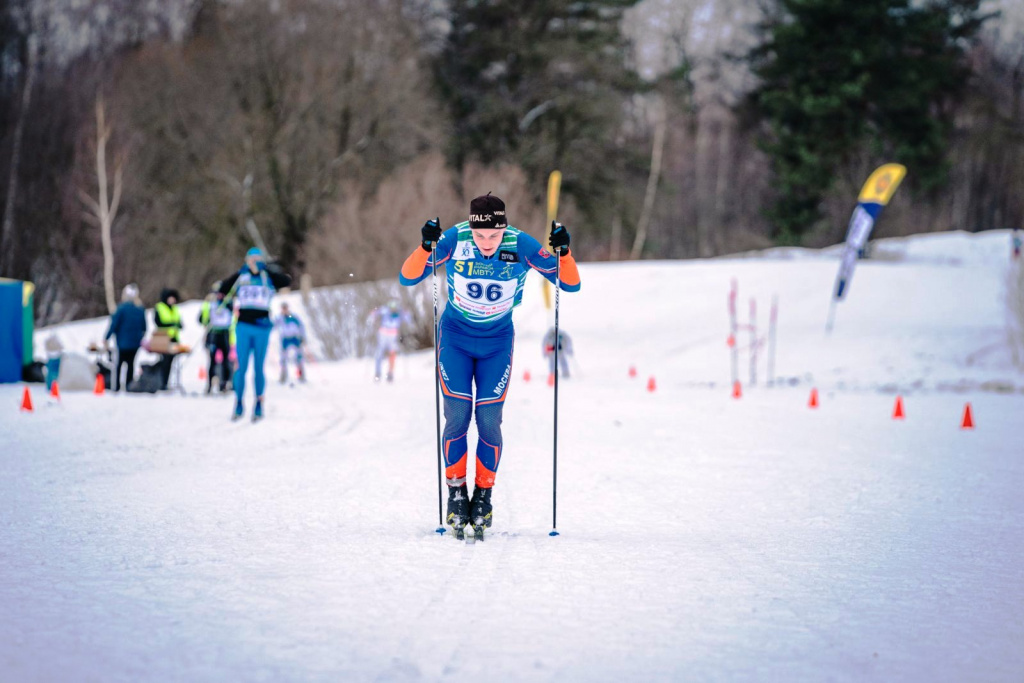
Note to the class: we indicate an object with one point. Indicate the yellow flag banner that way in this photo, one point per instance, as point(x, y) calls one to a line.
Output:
point(554, 189)
point(874, 195)
point(881, 185)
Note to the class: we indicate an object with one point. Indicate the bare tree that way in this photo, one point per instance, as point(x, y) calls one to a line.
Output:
point(103, 209)
point(657, 150)
point(369, 232)
point(268, 116)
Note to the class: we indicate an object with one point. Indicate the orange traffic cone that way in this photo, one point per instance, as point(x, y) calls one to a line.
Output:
point(99, 387)
point(26, 401)
point(632, 371)
point(55, 390)
point(968, 421)
point(897, 413)
point(813, 403)
point(651, 384)
point(526, 376)
point(737, 389)
point(202, 372)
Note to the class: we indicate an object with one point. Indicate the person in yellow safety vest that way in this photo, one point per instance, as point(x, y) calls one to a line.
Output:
point(217, 316)
point(167, 317)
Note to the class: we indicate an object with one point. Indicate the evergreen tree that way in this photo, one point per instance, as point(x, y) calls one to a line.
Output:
point(539, 83)
point(839, 77)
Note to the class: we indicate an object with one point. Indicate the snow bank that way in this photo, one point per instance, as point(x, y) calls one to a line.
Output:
point(147, 538)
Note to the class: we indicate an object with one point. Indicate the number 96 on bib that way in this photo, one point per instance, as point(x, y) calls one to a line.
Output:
point(484, 297)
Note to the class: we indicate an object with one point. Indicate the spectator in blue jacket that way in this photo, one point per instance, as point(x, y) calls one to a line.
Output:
point(128, 326)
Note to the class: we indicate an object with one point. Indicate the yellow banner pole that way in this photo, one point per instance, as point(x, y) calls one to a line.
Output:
point(554, 189)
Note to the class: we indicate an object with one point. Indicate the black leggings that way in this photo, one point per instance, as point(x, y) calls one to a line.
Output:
point(219, 340)
point(124, 357)
point(166, 361)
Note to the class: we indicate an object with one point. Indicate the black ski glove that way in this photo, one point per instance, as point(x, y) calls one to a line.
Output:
point(559, 239)
point(431, 232)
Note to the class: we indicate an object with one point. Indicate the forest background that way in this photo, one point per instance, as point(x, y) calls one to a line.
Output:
point(329, 130)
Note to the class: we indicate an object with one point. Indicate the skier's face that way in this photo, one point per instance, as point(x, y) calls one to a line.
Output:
point(487, 241)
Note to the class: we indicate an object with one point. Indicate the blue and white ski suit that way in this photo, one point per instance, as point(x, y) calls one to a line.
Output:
point(476, 334)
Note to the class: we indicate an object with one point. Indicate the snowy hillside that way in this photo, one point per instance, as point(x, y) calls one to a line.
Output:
point(703, 537)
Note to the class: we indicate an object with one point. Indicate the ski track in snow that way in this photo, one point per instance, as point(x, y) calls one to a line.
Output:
point(150, 539)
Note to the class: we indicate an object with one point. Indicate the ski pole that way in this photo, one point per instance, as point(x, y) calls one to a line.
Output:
point(437, 387)
point(554, 478)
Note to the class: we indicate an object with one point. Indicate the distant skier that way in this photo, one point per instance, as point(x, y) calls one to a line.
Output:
point(389, 321)
point(293, 335)
point(564, 351)
point(217, 316)
point(489, 264)
point(253, 287)
point(1017, 242)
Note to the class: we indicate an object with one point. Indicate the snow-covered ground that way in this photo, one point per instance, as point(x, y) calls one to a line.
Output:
point(147, 538)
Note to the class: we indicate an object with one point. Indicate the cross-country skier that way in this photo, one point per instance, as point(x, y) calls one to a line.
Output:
point(389, 321)
point(217, 316)
point(488, 261)
point(293, 335)
point(564, 351)
point(253, 287)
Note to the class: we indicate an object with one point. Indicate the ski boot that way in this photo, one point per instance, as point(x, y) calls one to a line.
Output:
point(239, 409)
point(257, 410)
point(458, 510)
point(480, 511)
point(284, 376)
point(391, 377)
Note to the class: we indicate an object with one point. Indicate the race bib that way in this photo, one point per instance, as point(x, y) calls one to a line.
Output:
point(483, 299)
point(254, 296)
point(290, 329)
point(220, 317)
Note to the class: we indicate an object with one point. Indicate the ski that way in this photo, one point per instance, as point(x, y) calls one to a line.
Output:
point(468, 534)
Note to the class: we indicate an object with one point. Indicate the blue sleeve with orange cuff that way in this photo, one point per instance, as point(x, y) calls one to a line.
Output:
point(543, 261)
point(419, 264)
